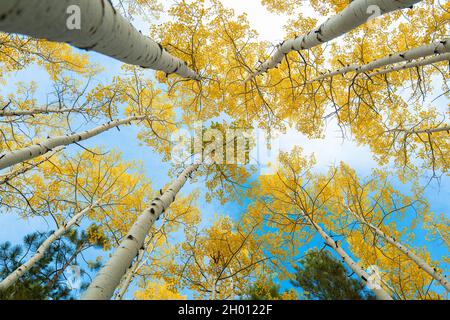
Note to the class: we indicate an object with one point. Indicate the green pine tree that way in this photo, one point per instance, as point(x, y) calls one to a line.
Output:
point(322, 277)
point(46, 280)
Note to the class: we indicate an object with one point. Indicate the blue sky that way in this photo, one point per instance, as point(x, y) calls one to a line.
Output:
point(328, 151)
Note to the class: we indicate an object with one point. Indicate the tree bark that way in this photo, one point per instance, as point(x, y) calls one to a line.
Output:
point(415, 64)
point(129, 276)
point(39, 149)
point(109, 277)
point(439, 47)
point(90, 25)
point(354, 15)
point(14, 174)
point(32, 112)
point(445, 128)
point(410, 254)
point(19, 272)
point(380, 293)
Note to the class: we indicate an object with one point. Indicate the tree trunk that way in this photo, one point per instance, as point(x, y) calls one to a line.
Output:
point(355, 14)
point(417, 260)
point(129, 276)
point(440, 47)
point(380, 293)
point(19, 272)
point(108, 278)
point(14, 174)
point(39, 149)
point(33, 112)
point(415, 64)
point(445, 128)
point(90, 25)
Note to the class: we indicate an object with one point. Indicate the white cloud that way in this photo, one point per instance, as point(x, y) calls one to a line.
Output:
point(330, 150)
point(268, 25)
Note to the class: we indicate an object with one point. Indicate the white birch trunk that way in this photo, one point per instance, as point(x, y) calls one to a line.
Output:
point(39, 149)
point(427, 131)
point(133, 271)
point(410, 254)
point(5, 178)
point(90, 25)
point(380, 294)
point(440, 47)
point(19, 272)
point(414, 64)
point(32, 112)
point(355, 14)
point(109, 277)
point(129, 276)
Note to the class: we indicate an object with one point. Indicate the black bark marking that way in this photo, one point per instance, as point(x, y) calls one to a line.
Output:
point(114, 10)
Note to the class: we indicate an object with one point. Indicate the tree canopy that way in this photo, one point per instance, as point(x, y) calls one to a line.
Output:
point(141, 139)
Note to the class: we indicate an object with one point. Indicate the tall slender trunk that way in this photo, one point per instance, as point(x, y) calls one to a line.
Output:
point(410, 254)
point(414, 64)
point(445, 128)
point(133, 270)
point(19, 272)
point(39, 149)
point(90, 25)
point(5, 178)
point(129, 276)
point(355, 14)
point(108, 278)
point(380, 293)
point(33, 112)
point(439, 48)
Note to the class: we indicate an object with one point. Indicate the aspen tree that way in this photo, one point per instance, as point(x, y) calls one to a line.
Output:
point(354, 15)
point(33, 112)
point(128, 278)
point(19, 272)
point(415, 64)
point(108, 278)
point(5, 178)
point(378, 207)
point(409, 253)
point(380, 293)
point(438, 48)
point(291, 201)
point(89, 25)
point(159, 253)
point(28, 153)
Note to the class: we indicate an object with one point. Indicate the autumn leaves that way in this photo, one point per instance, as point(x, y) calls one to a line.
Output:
point(355, 218)
point(102, 29)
